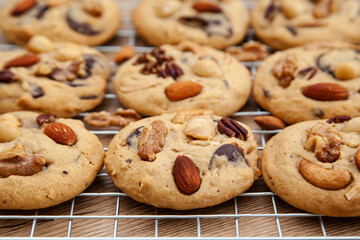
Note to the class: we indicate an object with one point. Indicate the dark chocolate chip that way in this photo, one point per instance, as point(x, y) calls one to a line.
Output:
point(226, 83)
point(128, 161)
point(317, 112)
point(194, 21)
point(322, 67)
point(292, 30)
point(83, 28)
point(136, 133)
point(339, 119)
point(266, 93)
point(65, 172)
point(90, 97)
point(233, 154)
point(35, 91)
point(305, 71)
point(270, 11)
point(6, 76)
point(41, 11)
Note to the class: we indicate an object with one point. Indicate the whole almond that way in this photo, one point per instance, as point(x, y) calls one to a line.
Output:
point(124, 54)
point(203, 6)
point(186, 175)
point(60, 133)
point(23, 61)
point(326, 92)
point(182, 90)
point(22, 7)
point(357, 159)
point(269, 122)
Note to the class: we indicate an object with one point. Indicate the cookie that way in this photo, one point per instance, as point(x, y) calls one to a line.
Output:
point(289, 23)
point(214, 23)
point(185, 160)
point(64, 79)
point(315, 166)
point(88, 22)
point(45, 160)
point(187, 76)
point(317, 81)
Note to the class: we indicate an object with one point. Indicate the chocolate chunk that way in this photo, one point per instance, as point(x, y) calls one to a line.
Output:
point(6, 76)
point(266, 93)
point(135, 134)
point(270, 11)
point(90, 97)
point(36, 91)
point(194, 21)
point(317, 112)
point(233, 154)
point(292, 30)
point(83, 28)
point(65, 172)
point(339, 119)
point(72, 84)
point(41, 11)
point(128, 161)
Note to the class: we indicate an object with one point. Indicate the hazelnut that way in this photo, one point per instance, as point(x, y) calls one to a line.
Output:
point(346, 70)
point(9, 131)
point(67, 51)
point(11, 118)
point(207, 68)
point(40, 44)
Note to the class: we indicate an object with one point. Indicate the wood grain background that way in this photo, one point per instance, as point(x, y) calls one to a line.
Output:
point(104, 206)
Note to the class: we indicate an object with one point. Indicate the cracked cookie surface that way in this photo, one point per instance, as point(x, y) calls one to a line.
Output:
point(316, 81)
point(214, 23)
point(289, 23)
point(186, 76)
point(45, 160)
point(185, 160)
point(64, 79)
point(315, 166)
point(88, 22)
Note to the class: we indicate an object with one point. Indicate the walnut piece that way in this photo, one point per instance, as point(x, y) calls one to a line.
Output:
point(284, 69)
point(121, 117)
point(249, 52)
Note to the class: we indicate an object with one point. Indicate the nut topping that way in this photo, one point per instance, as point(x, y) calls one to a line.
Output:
point(45, 118)
point(200, 128)
point(186, 175)
point(357, 159)
point(250, 51)
point(339, 119)
point(23, 61)
point(121, 117)
point(346, 70)
point(40, 44)
point(9, 128)
point(269, 122)
point(22, 166)
point(326, 92)
point(166, 8)
point(125, 53)
point(232, 128)
point(204, 6)
point(324, 8)
point(324, 178)
point(182, 116)
point(22, 7)
point(284, 69)
point(353, 125)
point(68, 73)
point(60, 133)
point(207, 68)
point(93, 7)
point(182, 90)
point(324, 142)
point(152, 140)
point(6, 76)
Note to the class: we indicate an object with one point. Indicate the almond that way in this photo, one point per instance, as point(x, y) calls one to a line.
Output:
point(326, 92)
point(182, 90)
point(60, 133)
point(186, 175)
point(124, 54)
point(93, 7)
point(23, 61)
point(22, 7)
point(269, 122)
point(203, 6)
point(357, 159)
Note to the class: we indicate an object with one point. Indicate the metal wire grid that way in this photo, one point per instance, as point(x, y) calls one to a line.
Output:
point(131, 35)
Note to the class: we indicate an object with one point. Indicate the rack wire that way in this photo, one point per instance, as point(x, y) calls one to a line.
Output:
point(269, 217)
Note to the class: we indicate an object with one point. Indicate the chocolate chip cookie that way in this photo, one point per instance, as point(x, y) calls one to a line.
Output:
point(45, 160)
point(185, 160)
point(289, 23)
point(172, 78)
point(315, 166)
point(88, 22)
point(317, 81)
point(57, 78)
point(214, 23)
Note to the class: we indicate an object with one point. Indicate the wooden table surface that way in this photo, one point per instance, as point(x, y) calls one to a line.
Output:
point(104, 212)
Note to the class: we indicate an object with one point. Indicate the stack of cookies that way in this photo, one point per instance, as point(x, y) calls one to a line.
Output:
point(187, 153)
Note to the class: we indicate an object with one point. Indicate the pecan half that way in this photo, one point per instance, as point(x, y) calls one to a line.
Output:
point(250, 51)
point(324, 178)
point(121, 117)
point(232, 128)
point(186, 175)
point(324, 142)
point(309, 70)
point(284, 69)
point(339, 119)
point(152, 140)
point(22, 166)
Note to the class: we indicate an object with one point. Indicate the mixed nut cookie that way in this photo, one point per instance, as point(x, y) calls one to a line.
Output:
point(57, 78)
point(216, 23)
point(315, 166)
point(317, 81)
point(187, 76)
point(45, 160)
point(88, 22)
point(289, 23)
point(185, 160)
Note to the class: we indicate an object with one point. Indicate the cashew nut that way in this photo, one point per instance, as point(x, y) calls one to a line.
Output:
point(200, 128)
point(40, 44)
point(324, 178)
point(207, 68)
point(182, 116)
point(352, 126)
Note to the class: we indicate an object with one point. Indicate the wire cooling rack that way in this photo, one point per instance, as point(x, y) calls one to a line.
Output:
point(103, 212)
